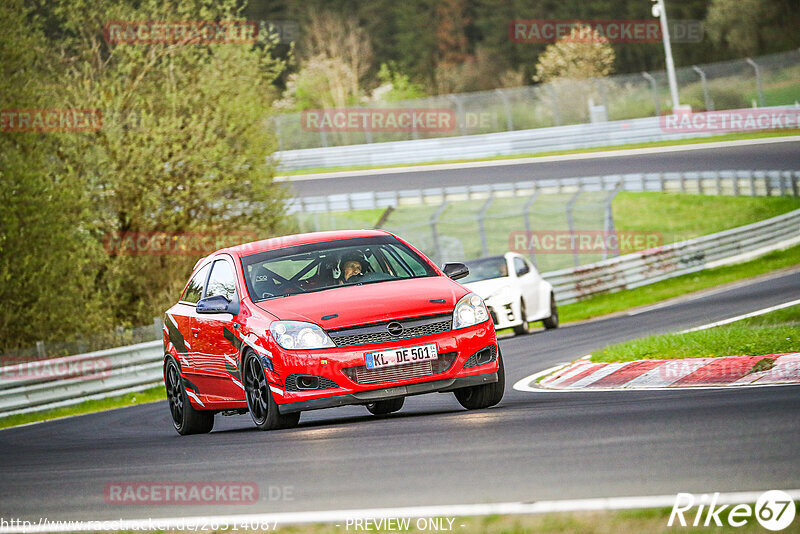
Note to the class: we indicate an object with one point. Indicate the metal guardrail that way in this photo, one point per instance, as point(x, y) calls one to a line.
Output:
point(36, 385)
point(537, 140)
point(650, 266)
point(725, 182)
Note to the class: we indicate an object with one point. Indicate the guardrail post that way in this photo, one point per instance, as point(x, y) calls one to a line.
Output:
point(682, 180)
point(718, 182)
point(758, 80)
point(735, 184)
point(767, 184)
point(752, 183)
point(571, 224)
point(482, 227)
point(323, 136)
point(507, 106)
point(706, 97)
point(434, 220)
point(526, 210)
point(781, 176)
point(654, 88)
point(795, 187)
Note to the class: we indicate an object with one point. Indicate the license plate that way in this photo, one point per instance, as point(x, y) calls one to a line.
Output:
point(387, 358)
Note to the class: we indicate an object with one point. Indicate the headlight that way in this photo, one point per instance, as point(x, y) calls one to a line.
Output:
point(300, 335)
point(470, 310)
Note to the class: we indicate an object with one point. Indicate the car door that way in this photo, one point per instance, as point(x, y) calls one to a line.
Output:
point(180, 320)
point(216, 343)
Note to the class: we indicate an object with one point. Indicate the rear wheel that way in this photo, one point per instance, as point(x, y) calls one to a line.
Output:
point(263, 408)
point(385, 406)
point(525, 327)
point(185, 418)
point(486, 395)
point(552, 321)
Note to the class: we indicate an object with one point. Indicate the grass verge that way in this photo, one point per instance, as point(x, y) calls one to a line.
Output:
point(677, 142)
point(605, 304)
point(771, 333)
point(153, 394)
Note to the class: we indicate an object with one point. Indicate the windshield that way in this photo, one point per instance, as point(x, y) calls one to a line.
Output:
point(485, 269)
point(329, 265)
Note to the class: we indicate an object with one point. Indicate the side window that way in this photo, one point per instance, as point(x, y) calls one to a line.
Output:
point(413, 263)
point(521, 267)
point(222, 280)
point(195, 288)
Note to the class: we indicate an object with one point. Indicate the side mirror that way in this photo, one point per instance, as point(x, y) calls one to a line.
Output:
point(218, 304)
point(455, 270)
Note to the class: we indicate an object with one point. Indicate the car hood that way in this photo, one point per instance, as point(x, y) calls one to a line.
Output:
point(369, 303)
point(490, 287)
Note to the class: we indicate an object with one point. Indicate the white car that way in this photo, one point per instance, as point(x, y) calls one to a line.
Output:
point(514, 291)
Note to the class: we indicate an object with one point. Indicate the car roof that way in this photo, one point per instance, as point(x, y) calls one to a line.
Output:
point(298, 239)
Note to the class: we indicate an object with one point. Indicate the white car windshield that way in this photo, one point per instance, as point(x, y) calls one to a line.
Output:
point(485, 269)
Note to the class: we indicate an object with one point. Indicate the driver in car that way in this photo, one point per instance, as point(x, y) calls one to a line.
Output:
point(352, 266)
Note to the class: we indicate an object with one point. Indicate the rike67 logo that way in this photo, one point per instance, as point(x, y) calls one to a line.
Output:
point(774, 510)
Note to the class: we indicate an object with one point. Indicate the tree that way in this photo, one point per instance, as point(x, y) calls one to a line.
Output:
point(753, 27)
point(583, 54)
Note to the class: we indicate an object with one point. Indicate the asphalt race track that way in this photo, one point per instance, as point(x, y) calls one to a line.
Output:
point(773, 156)
point(531, 446)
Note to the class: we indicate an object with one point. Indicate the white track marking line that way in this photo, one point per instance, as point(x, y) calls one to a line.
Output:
point(334, 516)
point(740, 317)
point(540, 159)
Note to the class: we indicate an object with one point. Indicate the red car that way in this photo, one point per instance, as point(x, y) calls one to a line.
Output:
point(311, 321)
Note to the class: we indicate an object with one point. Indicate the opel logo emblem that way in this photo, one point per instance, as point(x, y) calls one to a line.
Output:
point(395, 329)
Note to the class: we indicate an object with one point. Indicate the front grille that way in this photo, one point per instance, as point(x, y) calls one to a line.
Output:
point(324, 383)
point(379, 333)
point(482, 357)
point(361, 375)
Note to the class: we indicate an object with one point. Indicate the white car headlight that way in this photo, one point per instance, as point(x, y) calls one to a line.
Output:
point(470, 310)
point(300, 335)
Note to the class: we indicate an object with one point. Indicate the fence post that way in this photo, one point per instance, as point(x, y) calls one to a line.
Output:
point(554, 98)
point(571, 223)
point(735, 183)
point(527, 215)
point(434, 220)
point(752, 183)
point(608, 223)
point(40, 351)
point(482, 227)
point(157, 328)
point(758, 81)
point(507, 106)
point(653, 87)
point(706, 96)
point(459, 112)
point(795, 187)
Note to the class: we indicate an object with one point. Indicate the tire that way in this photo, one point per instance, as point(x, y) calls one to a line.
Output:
point(552, 321)
point(385, 406)
point(485, 395)
point(525, 327)
point(185, 418)
point(260, 403)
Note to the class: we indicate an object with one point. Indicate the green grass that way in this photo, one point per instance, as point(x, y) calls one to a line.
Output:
point(153, 394)
point(677, 142)
point(605, 304)
point(771, 333)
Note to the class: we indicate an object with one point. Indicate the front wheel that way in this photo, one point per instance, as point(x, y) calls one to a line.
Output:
point(552, 321)
point(385, 406)
point(185, 418)
point(485, 395)
point(263, 408)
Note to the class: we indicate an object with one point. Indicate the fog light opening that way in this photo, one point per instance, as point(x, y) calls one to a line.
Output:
point(307, 382)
